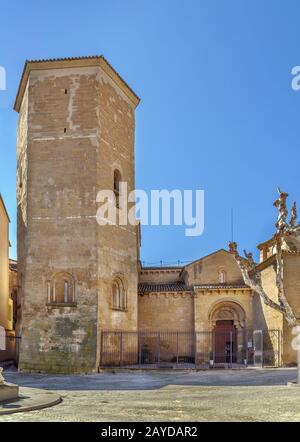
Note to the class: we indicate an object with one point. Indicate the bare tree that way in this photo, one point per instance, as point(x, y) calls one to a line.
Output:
point(252, 276)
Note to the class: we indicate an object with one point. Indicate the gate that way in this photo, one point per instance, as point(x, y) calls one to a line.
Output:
point(258, 348)
point(180, 349)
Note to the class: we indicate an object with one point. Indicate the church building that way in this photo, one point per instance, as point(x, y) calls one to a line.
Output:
point(84, 299)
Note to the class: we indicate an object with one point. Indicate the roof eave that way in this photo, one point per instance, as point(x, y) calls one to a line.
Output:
point(63, 63)
point(4, 207)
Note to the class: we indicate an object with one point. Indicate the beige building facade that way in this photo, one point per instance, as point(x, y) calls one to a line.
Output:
point(83, 296)
point(6, 303)
point(8, 291)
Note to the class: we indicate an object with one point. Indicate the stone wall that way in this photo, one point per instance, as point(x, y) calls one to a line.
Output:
point(166, 311)
point(160, 275)
point(207, 270)
point(117, 251)
point(265, 316)
point(75, 127)
point(291, 278)
point(235, 300)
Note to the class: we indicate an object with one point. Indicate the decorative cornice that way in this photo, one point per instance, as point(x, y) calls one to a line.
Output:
point(73, 62)
point(4, 208)
point(13, 265)
point(269, 242)
point(162, 269)
point(221, 286)
point(166, 295)
point(222, 292)
point(290, 252)
point(266, 263)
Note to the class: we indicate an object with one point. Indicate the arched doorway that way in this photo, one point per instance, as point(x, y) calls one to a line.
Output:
point(227, 320)
point(225, 342)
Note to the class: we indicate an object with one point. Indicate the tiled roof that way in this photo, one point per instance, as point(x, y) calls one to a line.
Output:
point(146, 287)
point(90, 58)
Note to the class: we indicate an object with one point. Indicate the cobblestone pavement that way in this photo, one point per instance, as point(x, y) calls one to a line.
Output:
point(237, 395)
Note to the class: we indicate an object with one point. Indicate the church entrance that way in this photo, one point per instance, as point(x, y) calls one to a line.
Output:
point(225, 342)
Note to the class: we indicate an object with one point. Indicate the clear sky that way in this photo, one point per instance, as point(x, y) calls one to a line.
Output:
point(217, 113)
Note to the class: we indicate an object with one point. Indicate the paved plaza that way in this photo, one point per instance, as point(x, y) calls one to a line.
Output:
point(217, 395)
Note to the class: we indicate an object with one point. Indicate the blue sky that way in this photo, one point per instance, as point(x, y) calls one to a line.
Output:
point(218, 112)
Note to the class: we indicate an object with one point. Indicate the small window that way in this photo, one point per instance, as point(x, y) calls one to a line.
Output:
point(61, 289)
point(119, 296)
point(66, 292)
point(222, 276)
point(117, 181)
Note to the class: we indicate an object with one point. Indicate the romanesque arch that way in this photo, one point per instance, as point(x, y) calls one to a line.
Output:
point(228, 310)
point(61, 288)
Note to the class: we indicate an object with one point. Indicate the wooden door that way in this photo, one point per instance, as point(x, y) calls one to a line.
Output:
point(225, 342)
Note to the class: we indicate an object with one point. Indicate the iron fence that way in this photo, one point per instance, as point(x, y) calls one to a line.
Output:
point(188, 349)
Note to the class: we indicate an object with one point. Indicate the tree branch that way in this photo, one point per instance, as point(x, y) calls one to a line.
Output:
point(255, 282)
point(288, 312)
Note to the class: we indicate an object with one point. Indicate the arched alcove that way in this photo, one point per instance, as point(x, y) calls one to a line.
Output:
point(227, 310)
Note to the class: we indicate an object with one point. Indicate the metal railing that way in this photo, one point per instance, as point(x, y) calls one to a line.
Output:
point(180, 349)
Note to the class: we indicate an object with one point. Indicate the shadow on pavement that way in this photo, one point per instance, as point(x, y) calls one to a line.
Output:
point(152, 380)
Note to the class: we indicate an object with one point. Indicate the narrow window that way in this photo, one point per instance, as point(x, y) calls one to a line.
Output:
point(119, 295)
point(61, 289)
point(66, 292)
point(117, 181)
point(115, 294)
point(222, 277)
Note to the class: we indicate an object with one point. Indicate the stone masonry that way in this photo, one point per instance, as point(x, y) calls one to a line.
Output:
point(77, 279)
point(76, 127)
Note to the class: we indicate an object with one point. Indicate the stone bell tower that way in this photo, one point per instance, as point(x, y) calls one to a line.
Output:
point(75, 137)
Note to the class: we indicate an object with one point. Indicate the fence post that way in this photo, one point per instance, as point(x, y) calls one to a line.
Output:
point(195, 350)
point(279, 344)
point(121, 348)
point(101, 349)
point(214, 346)
point(140, 349)
point(177, 350)
point(231, 348)
point(158, 349)
point(246, 340)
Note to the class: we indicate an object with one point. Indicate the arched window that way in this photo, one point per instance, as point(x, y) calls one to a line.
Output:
point(222, 276)
point(61, 289)
point(117, 181)
point(119, 296)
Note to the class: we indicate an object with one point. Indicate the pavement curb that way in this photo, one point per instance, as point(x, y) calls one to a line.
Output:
point(36, 401)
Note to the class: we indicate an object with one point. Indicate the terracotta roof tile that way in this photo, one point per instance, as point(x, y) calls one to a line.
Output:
point(53, 60)
point(165, 287)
